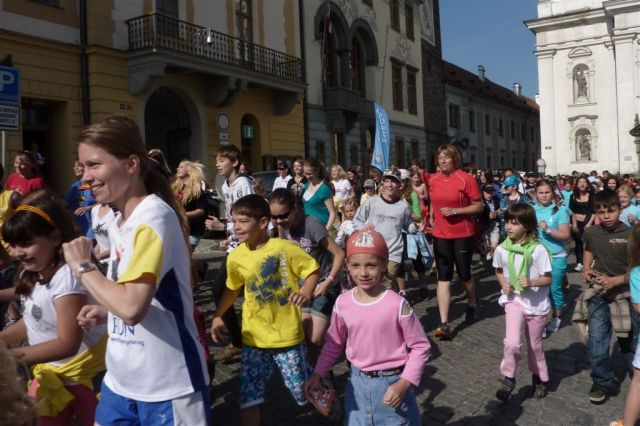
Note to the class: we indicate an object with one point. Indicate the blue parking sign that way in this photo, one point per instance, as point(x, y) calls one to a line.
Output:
point(9, 98)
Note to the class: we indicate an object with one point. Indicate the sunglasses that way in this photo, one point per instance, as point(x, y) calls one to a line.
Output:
point(280, 216)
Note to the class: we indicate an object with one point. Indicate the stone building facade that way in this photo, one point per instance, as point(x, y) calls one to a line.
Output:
point(193, 74)
point(589, 73)
point(493, 126)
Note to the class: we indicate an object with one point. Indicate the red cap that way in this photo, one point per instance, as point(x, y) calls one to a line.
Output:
point(367, 241)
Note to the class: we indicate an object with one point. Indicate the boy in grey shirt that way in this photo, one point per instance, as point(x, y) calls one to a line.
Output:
point(389, 215)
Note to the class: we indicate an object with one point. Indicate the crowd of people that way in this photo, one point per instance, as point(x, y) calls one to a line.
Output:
point(97, 286)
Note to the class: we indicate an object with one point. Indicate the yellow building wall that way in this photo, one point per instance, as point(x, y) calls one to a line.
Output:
point(109, 84)
point(50, 72)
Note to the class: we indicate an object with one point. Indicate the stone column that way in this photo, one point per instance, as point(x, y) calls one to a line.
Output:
point(547, 112)
point(623, 45)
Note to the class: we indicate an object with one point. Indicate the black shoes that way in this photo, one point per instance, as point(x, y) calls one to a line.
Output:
point(505, 389)
point(471, 315)
point(598, 394)
point(540, 389)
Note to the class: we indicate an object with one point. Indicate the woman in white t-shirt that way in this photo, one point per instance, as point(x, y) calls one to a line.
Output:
point(65, 358)
point(155, 362)
point(341, 184)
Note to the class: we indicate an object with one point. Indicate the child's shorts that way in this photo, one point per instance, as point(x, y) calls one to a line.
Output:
point(258, 365)
point(322, 306)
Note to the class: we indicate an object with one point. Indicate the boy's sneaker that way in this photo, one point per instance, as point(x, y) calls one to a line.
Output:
point(539, 387)
point(617, 422)
point(471, 315)
point(505, 389)
point(443, 332)
point(578, 267)
point(598, 394)
point(552, 327)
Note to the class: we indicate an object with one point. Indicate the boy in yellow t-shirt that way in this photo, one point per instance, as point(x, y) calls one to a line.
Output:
point(272, 334)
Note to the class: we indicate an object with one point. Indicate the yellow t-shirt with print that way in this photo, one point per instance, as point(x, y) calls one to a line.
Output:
point(270, 275)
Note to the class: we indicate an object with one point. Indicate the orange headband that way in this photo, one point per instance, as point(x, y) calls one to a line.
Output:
point(36, 210)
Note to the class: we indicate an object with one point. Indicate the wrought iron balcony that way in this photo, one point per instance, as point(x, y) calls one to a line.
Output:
point(341, 98)
point(156, 30)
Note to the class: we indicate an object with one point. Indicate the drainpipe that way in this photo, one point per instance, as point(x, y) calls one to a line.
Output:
point(305, 104)
point(84, 63)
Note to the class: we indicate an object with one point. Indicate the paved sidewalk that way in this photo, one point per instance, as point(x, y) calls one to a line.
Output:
point(461, 376)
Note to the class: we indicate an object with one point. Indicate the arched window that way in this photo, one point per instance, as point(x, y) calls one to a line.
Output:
point(330, 62)
point(356, 67)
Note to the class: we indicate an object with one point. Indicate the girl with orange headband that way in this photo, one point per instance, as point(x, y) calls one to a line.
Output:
point(65, 358)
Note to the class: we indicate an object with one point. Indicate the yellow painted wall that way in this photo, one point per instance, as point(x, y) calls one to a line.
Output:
point(108, 84)
point(50, 72)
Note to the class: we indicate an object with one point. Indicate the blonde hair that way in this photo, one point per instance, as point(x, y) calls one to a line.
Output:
point(341, 173)
point(17, 406)
point(627, 190)
point(191, 186)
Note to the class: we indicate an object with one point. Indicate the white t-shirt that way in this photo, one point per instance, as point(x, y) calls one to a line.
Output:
point(281, 182)
point(160, 358)
point(240, 187)
point(100, 226)
point(534, 300)
point(40, 316)
point(342, 187)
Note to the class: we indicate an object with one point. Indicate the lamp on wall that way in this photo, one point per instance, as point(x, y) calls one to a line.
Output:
point(209, 37)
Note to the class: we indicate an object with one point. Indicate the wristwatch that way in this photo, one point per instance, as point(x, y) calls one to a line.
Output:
point(84, 267)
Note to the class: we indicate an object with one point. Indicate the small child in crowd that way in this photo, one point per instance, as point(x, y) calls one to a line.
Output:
point(523, 270)
point(269, 269)
point(347, 227)
point(369, 190)
point(629, 213)
point(381, 337)
point(490, 219)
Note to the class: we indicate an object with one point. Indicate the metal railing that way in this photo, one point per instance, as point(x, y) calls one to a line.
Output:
point(158, 30)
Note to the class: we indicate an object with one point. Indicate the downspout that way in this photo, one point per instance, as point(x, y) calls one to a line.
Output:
point(305, 103)
point(84, 64)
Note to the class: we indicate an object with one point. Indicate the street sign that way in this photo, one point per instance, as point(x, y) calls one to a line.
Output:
point(223, 120)
point(223, 137)
point(9, 98)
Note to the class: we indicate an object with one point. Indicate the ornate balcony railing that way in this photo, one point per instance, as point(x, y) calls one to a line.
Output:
point(158, 30)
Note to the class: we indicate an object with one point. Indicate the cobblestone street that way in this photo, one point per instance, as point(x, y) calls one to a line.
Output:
point(460, 379)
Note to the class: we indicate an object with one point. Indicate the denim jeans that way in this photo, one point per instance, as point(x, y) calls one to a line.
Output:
point(598, 343)
point(364, 406)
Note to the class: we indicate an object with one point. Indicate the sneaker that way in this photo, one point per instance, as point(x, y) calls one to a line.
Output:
point(471, 314)
point(539, 387)
point(443, 332)
point(505, 389)
point(578, 267)
point(552, 327)
point(598, 394)
point(227, 353)
point(617, 422)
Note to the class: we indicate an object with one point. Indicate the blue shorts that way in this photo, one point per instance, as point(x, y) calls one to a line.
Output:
point(191, 409)
point(258, 365)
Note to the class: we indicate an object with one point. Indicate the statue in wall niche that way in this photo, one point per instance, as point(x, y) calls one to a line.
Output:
point(584, 147)
point(581, 81)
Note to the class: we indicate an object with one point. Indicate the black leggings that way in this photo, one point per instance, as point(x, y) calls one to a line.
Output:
point(577, 238)
point(450, 251)
point(230, 319)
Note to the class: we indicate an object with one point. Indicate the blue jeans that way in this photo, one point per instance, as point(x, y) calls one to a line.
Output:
point(598, 342)
point(364, 406)
point(558, 271)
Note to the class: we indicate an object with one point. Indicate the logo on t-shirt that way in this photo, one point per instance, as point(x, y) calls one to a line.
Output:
point(270, 284)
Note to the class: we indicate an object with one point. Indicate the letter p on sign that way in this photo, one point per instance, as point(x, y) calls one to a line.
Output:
point(6, 78)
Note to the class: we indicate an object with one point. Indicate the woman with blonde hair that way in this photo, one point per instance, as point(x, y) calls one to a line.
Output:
point(341, 184)
point(188, 187)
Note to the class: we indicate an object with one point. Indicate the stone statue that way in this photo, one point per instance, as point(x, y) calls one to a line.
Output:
point(584, 147)
point(581, 81)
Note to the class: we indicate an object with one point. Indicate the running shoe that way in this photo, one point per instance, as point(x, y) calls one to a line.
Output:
point(539, 387)
point(505, 389)
point(578, 267)
point(471, 314)
point(598, 394)
point(552, 327)
point(617, 422)
point(443, 332)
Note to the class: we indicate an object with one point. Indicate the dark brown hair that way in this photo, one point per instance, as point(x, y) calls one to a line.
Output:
point(231, 153)
point(525, 215)
point(252, 205)
point(286, 198)
point(23, 226)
